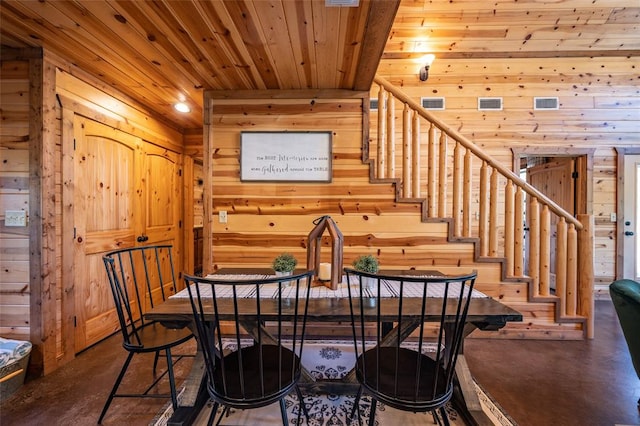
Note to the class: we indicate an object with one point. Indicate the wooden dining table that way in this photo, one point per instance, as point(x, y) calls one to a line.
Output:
point(326, 305)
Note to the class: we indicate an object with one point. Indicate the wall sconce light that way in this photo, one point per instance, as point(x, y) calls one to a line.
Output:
point(427, 60)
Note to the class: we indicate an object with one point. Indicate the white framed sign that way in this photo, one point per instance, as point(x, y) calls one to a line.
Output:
point(285, 156)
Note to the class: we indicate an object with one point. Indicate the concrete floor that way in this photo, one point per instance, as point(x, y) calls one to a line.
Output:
point(581, 383)
point(538, 383)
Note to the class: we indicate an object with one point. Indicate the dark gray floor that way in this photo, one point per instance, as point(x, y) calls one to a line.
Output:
point(538, 383)
point(589, 382)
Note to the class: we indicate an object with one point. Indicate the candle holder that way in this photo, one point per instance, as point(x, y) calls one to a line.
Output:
point(314, 244)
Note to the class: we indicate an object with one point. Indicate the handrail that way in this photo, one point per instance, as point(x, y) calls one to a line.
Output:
point(468, 144)
point(560, 254)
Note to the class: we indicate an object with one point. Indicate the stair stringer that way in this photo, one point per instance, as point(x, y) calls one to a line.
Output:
point(563, 327)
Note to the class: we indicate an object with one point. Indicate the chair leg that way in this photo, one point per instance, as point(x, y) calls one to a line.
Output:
point(445, 417)
point(303, 406)
point(283, 412)
point(226, 412)
point(436, 418)
point(172, 381)
point(155, 361)
point(212, 416)
point(123, 370)
point(372, 415)
point(356, 406)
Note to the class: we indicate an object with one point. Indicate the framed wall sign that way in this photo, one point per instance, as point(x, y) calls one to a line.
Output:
point(285, 156)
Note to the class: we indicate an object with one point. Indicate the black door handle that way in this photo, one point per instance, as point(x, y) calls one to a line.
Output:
point(628, 233)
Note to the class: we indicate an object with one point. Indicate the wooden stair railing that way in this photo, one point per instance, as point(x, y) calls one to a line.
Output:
point(486, 201)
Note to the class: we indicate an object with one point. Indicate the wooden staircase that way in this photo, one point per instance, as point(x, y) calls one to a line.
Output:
point(483, 205)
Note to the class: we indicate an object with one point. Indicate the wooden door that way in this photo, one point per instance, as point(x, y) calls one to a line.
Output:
point(107, 189)
point(555, 179)
point(126, 193)
point(631, 218)
point(162, 198)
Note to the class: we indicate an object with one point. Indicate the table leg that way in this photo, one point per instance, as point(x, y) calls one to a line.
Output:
point(195, 395)
point(467, 399)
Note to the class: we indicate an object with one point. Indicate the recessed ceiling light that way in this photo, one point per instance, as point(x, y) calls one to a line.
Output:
point(182, 107)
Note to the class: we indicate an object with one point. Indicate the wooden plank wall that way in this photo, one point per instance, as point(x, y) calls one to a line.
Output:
point(14, 195)
point(265, 219)
point(34, 273)
point(599, 109)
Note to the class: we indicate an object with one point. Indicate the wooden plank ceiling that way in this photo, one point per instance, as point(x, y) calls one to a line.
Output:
point(163, 51)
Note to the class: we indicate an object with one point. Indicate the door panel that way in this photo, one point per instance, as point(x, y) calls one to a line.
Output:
point(555, 180)
point(106, 183)
point(162, 195)
point(163, 208)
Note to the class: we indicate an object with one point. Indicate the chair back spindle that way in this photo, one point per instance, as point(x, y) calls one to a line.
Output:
point(140, 278)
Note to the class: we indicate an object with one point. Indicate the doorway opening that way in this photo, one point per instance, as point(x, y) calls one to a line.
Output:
point(628, 208)
point(564, 175)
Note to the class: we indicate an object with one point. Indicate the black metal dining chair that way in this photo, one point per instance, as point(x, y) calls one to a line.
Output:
point(251, 333)
point(140, 278)
point(407, 364)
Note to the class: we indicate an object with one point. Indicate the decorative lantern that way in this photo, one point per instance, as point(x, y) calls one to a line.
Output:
point(314, 243)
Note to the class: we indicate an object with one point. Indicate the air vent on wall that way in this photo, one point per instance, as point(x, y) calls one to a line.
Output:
point(342, 3)
point(432, 103)
point(373, 104)
point(490, 104)
point(545, 103)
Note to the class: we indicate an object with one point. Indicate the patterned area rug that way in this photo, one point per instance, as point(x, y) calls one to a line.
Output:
point(333, 360)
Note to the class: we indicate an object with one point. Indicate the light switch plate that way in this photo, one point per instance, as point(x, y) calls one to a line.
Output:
point(15, 218)
point(614, 217)
point(222, 216)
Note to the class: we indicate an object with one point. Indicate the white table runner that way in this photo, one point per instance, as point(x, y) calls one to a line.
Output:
point(388, 289)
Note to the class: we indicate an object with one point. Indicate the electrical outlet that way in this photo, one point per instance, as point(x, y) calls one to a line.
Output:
point(15, 218)
point(614, 217)
point(222, 216)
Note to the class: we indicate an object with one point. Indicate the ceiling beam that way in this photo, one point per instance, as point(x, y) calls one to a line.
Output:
point(382, 13)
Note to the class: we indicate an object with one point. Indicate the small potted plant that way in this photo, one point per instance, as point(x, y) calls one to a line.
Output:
point(367, 263)
point(284, 264)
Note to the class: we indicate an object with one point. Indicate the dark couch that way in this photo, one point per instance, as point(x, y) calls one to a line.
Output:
point(626, 299)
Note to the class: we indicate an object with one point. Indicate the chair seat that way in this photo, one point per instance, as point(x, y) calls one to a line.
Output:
point(410, 387)
point(154, 336)
point(276, 381)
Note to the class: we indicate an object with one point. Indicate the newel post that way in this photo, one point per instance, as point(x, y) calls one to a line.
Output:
point(314, 243)
point(585, 271)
